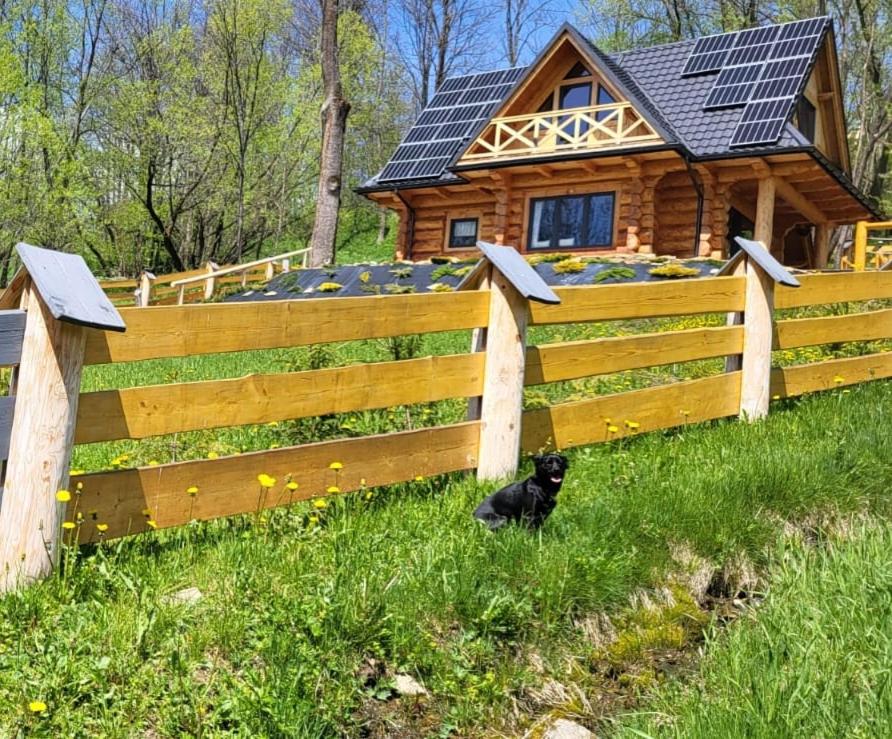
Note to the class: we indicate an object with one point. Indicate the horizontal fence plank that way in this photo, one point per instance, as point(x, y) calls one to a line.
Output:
point(7, 404)
point(585, 421)
point(137, 413)
point(642, 300)
point(834, 287)
point(796, 332)
point(229, 486)
point(574, 359)
point(12, 333)
point(112, 285)
point(178, 331)
point(806, 378)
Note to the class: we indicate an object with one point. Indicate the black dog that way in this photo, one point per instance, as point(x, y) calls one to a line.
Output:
point(530, 501)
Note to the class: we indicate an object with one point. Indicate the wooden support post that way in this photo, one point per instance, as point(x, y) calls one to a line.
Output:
point(47, 389)
point(758, 314)
point(144, 293)
point(286, 265)
point(210, 284)
point(478, 344)
point(181, 295)
point(859, 261)
point(822, 246)
point(502, 405)
point(60, 298)
point(270, 270)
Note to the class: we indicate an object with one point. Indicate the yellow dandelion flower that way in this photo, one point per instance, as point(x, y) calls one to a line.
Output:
point(75, 473)
point(213, 455)
point(419, 478)
point(266, 481)
point(193, 490)
point(147, 512)
point(79, 487)
point(313, 520)
point(608, 420)
point(152, 523)
point(839, 380)
point(292, 486)
point(332, 489)
point(37, 706)
point(153, 463)
point(775, 397)
point(368, 495)
point(685, 412)
point(320, 504)
point(63, 496)
point(633, 425)
point(102, 527)
point(335, 466)
point(612, 429)
point(68, 525)
point(362, 481)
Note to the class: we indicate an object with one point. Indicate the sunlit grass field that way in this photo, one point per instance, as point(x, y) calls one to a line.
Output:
point(307, 613)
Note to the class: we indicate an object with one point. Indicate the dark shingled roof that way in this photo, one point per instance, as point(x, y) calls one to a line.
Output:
point(652, 80)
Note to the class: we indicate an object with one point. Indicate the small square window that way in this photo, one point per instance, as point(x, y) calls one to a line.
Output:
point(462, 233)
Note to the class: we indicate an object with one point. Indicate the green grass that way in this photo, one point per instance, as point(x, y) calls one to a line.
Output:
point(295, 616)
point(813, 661)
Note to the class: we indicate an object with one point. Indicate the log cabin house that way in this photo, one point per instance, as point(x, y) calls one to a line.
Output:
point(669, 150)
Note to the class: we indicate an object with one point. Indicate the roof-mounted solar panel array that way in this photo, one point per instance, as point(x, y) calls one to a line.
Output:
point(763, 69)
point(459, 107)
point(709, 54)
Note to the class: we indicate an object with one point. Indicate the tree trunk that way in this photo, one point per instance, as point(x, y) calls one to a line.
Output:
point(334, 123)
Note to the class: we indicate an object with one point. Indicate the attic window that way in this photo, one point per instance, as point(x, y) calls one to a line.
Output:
point(806, 117)
point(577, 71)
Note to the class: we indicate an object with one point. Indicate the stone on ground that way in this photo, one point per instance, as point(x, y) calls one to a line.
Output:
point(408, 686)
point(564, 729)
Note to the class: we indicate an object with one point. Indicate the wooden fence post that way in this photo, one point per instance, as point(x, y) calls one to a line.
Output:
point(512, 284)
point(144, 292)
point(210, 283)
point(762, 272)
point(502, 404)
point(60, 298)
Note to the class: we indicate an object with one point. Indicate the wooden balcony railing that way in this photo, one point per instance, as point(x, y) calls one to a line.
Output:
point(613, 126)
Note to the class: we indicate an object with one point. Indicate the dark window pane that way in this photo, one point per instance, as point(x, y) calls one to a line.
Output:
point(547, 105)
point(577, 71)
point(604, 98)
point(542, 229)
point(576, 96)
point(600, 220)
point(463, 232)
point(572, 223)
point(807, 116)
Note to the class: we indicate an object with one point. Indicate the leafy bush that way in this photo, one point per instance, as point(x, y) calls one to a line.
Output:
point(329, 287)
point(615, 273)
point(674, 271)
point(569, 266)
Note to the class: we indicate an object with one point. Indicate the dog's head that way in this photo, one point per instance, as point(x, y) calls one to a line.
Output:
point(550, 468)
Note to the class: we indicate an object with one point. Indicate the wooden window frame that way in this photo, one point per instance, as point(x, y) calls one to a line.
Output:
point(447, 241)
point(530, 211)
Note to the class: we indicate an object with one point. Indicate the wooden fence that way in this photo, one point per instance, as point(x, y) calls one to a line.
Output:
point(129, 501)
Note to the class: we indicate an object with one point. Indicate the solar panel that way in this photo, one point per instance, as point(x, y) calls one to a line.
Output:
point(752, 46)
point(780, 78)
point(762, 122)
point(798, 38)
point(733, 86)
point(457, 109)
point(709, 54)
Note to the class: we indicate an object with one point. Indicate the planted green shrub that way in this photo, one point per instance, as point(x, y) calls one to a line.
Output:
point(569, 266)
point(673, 271)
point(615, 273)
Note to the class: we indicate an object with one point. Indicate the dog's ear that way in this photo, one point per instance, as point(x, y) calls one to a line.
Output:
point(537, 459)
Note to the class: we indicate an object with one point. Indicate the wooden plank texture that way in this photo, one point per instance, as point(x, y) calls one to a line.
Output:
point(807, 378)
point(642, 300)
point(12, 332)
point(69, 289)
point(835, 287)
point(179, 331)
point(137, 413)
point(7, 405)
point(574, 359)
point(586, 421)
point(47, 390)
point(870, 326)
point(228, 486)
point(518, 272)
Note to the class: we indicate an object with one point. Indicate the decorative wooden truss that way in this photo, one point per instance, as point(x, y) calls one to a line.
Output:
point(612, 126)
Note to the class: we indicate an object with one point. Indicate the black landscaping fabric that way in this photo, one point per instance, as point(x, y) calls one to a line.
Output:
point(390, 279)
